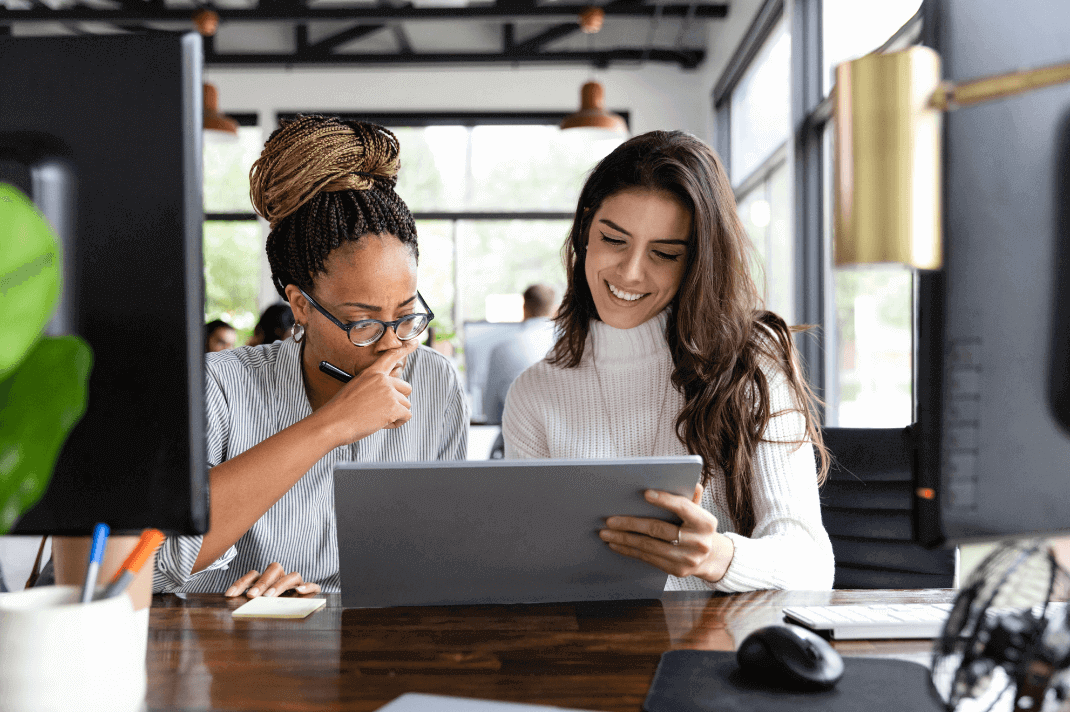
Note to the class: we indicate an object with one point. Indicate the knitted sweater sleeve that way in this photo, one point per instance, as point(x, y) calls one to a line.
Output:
point(789, 547)
point(523, 420)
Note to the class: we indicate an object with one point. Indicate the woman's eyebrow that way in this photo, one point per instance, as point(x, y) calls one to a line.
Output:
point(621, 230)
point(370, 307)
point(615, 226)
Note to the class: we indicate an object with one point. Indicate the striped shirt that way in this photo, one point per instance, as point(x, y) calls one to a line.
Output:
point(256, 391)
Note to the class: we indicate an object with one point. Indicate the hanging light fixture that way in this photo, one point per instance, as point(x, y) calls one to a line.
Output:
point(217, 125)
point(593, 114)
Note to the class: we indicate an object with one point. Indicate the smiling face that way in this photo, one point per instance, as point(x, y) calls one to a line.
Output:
point(636, 255)
point(374, 278)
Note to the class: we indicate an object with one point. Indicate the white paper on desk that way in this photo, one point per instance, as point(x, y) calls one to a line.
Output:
point(277, 607)
point(417, 702)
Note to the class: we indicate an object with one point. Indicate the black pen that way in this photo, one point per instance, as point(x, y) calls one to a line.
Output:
point(334, 372)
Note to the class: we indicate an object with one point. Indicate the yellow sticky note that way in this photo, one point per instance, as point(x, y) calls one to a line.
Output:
point(262, 607)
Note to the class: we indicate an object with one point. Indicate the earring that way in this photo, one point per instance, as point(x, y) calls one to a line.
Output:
point(299, 333)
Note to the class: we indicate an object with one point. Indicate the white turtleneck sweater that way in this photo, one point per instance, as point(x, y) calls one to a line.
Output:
point(620, 402)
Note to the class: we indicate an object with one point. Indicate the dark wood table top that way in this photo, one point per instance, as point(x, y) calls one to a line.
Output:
point(594, 656)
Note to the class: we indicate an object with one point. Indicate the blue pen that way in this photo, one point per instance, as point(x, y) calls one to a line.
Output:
point(96, 555)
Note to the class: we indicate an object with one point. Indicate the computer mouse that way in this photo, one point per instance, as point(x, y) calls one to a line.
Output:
point(789, 656)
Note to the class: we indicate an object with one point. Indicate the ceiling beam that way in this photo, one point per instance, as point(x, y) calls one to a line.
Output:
point(325, 45)
point(538, 41)
point(685, 58)
point(402, 38)
point(297, 13)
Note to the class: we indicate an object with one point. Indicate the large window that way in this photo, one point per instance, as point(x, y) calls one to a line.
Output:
point(761, 106)
point(233, 240)
point(774, 125)
point(760, 129)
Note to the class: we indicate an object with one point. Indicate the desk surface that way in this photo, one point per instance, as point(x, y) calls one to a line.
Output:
point(596, 656)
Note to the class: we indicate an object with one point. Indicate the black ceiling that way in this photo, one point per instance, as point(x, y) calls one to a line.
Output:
point(526, 30)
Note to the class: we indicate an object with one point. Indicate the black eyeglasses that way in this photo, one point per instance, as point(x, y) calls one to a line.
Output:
point(367, 331)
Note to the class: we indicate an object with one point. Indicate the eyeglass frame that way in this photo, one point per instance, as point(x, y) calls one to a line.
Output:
point(348, 328)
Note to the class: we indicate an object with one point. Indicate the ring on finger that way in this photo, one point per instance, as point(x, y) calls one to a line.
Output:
point(676, 541)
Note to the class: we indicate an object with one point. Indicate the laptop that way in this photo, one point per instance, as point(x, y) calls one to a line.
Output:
point(496, 531)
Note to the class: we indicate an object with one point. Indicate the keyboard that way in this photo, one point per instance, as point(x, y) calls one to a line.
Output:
point(893, 620)
point(855, 622)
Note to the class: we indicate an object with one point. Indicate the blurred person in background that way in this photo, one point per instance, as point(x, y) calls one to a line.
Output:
point(276, 324)
point(510, 358)
point(219, 336)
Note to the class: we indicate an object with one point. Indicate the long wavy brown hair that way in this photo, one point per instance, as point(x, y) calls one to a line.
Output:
point(718, 330)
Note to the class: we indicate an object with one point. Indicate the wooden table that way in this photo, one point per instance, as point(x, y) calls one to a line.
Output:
point(596, 656)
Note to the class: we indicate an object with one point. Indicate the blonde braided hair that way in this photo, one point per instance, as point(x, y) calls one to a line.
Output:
point(320, 182)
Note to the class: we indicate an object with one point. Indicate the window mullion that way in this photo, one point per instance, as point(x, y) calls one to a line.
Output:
point(810, 290)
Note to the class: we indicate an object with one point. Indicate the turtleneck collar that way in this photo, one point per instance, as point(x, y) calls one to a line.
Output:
point(610, 345)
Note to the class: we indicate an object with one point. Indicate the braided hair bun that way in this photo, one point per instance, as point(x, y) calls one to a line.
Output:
point(315, 153)
point(323, 181)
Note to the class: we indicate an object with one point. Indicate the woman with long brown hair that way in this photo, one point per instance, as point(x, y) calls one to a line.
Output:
point(664, 348)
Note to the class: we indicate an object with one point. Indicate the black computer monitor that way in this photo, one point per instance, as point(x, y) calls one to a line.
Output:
point(993, 420)
point(104, 134)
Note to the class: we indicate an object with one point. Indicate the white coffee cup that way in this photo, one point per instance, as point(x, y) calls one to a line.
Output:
point(59, 654)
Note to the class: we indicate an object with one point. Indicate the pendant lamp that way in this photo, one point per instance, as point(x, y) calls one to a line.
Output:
point(216, 124)
point(592, 114)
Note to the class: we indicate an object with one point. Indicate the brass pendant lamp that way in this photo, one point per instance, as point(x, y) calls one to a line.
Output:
point(593, 113)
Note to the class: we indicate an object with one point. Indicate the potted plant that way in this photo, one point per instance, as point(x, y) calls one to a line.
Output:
point(43, 379)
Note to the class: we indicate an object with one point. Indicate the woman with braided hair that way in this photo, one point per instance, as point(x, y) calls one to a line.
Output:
point(343, 252)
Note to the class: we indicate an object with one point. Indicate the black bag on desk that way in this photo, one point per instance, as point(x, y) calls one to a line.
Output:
point(709, 681)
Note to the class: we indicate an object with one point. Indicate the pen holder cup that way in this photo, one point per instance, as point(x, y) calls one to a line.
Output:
point(71, 554)
point(59, 654)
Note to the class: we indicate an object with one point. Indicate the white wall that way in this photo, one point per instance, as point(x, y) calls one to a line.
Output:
point(658, 96)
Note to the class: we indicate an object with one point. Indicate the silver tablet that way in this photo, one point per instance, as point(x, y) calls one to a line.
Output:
point(496, 531)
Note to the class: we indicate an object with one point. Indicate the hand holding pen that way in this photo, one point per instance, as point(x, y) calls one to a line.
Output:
point(372, 400)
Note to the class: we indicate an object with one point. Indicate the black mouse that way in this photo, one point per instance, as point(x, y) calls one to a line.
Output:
point(791, 657)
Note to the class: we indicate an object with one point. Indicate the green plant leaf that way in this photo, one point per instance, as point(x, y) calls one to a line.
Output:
point(40, 401)
point(29, 275)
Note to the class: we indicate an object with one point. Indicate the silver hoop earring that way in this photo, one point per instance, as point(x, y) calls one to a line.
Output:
point(299, 333)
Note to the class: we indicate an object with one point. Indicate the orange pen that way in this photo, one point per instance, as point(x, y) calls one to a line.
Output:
point(149, 542)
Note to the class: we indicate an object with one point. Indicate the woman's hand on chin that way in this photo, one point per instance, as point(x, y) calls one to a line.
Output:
point(699, 550)
point(273, 582)
point(375, 399)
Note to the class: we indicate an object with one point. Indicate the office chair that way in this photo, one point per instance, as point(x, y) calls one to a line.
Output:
point(866, 509)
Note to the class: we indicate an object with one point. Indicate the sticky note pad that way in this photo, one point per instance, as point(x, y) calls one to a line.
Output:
point(262, 607)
